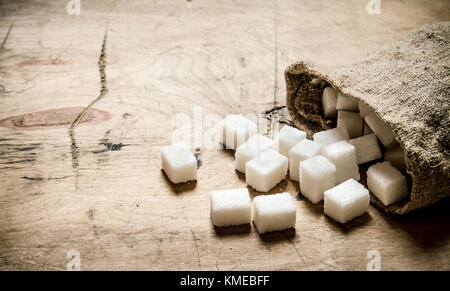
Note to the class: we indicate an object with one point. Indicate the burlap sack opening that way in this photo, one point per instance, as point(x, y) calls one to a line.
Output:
point(407, 84)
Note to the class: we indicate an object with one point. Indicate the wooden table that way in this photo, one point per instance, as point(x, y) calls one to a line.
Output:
point(106, 89)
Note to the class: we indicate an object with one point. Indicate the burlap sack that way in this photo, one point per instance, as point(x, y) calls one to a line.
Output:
point(407, 84)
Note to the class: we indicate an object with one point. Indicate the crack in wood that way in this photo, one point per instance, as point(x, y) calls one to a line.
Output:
point(43, 179)
point(275, 82)
point(30, 147)
point(6, 36)
point(197, 155)
point(109, 146)
point(32, 178)
point(274, 109)
point(300, 197)
point(288, 237)
point(103, 90)
point(196, 248)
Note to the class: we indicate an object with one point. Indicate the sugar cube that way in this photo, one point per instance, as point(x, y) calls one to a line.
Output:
point(367, 130)
point(236, 130)
point(343, 155)
point(347, 103)
point(178, 163)
point(288, 137)
point(351, 121)
point(386, 183)
point(396, 155)
point(330, 136)
point(329, 99)
point(230, 207)
point(274, 212)
point(367, 148)
point(364, 110)
point(382, 130)
point(266, 170)
point(346, 201)
point(250, 149)
point(317, 174)
point(303, 150)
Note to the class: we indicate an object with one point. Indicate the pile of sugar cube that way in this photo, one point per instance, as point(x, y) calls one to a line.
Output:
point(325, 166)
point(372, 140)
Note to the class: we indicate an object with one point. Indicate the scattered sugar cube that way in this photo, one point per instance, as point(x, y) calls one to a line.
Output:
point(381, 130)
point(305, 149)
point(367, 130)
point(317, 174)
point(386, 183)
point(346, 201)
point(346, 103)
point(396, 155)
point(274, 212)
point(250, 150)
point(266, 170)
point(343, 155)
point(351, 121)
point(367, 148)
point(230, 207)
point(289, 136)
point(178, 163)
point(236, 130)
point(330, 136)
point(329, 99)
point(364, 110)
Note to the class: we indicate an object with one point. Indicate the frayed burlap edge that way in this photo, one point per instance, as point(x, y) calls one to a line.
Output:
point(407, 84)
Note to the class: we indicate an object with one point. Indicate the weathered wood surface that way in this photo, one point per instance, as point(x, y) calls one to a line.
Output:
point(96, 187)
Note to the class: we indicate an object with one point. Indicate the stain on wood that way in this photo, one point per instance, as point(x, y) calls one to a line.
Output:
point(58, 117)
point(43, 62)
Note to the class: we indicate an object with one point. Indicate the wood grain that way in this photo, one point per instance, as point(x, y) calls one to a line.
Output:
point(97, 187)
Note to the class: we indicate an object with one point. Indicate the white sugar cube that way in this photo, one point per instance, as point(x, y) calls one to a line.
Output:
point(178, 163)
point(236, 130)
point(230, 207)
point(343, 155)
point(274, 212)
point(382, 130)
point(386, 183)
point(346, 201)
point(329, 99)
point(330, 136)
point(266, 170)
point(250, 150)
point(396, 155)
point(347, 103)
point(367, 130)
point(317, 174)
point(351, 121)
point(364, 110)
point(367, 148)
point(288, 137)
point(305, 149)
